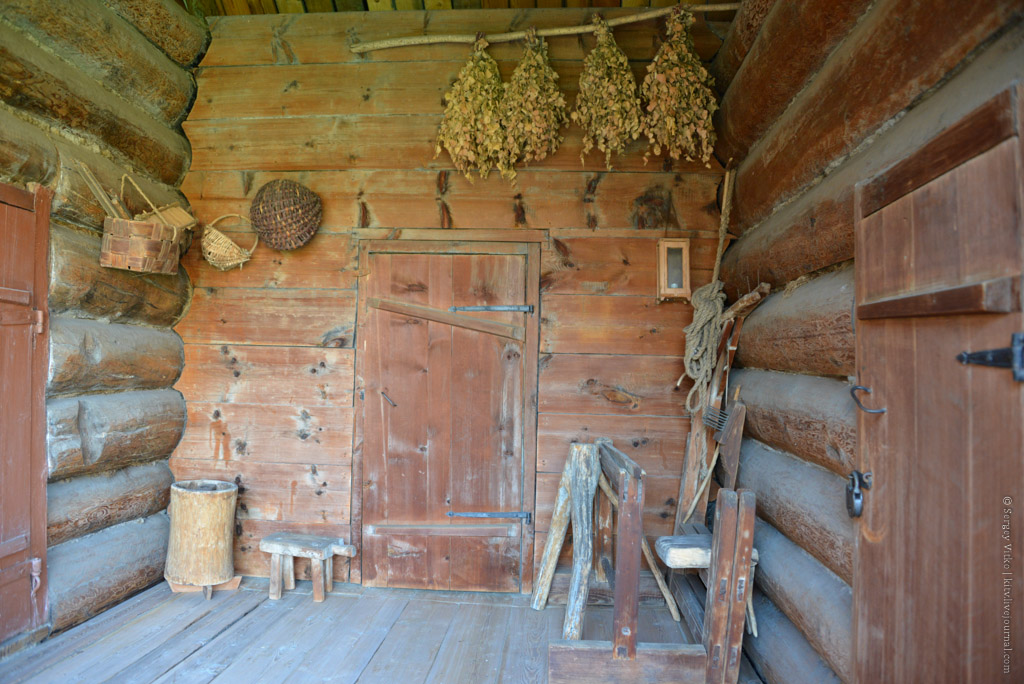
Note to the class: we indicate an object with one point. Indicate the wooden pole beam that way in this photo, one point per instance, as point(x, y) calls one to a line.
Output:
point(469, 39)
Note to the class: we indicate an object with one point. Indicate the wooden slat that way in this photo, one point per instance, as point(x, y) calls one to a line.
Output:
point(979, 131)
point(244, 374)
point(488, 327)
point(615, 266)
point(412, 198)
point(278, 491)
point(570, 662)
point(251, 434)
point(604, 384)
point(655, 443)
point(311, 318)
point(992, 296)
point(306, 40)
point(326, 261)
point(368, 142)
point(622, 325)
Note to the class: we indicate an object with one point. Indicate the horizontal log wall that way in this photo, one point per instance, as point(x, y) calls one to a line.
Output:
point(82, 84)
point(799, 125)
point(269, 348)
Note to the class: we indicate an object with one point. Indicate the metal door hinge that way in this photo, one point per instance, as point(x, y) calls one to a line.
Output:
point(36, 573)
point(1011, 357)
point(525, 515)
point(522, 308)
point(38, 318)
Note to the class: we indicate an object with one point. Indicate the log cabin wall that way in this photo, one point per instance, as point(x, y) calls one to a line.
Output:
point(105, 83)
point(801, 115)
point(269, 349)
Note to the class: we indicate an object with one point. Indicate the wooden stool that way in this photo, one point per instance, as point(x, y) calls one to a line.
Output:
point(320, 551)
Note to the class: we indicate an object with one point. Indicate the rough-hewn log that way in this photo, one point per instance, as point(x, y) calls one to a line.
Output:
point(794, 41)
point(899, 50)
point(179, 34)
point(780, 652)
point(55, 92)
point(79, 287)
point(807, 236)
point(109, 50)
point(28, 154)
point(738, 40)
point(808, 416)
point(815, 600)
point(804, 502)
point(81, 505)
point(91, 573)
point(107, 431)
point(806, 329)
point(816, 230)
point(91, 356)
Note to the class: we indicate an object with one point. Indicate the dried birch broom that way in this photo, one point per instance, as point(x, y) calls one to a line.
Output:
point(533, 109)
point(680, 97)
point(607, 108)
point(471, 130)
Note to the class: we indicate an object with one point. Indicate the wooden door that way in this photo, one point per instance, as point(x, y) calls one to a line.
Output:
point(939, 567)
point(445, 415)
point(24, 352)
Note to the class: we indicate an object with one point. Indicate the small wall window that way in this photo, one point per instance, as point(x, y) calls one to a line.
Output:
point(674, 269)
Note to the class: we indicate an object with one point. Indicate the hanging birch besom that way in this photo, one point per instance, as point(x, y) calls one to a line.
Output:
point(471, 129)
point(533, 109)
point(679, 96)
point(607, 108)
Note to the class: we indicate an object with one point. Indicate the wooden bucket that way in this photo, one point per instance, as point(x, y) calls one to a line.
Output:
point(139, 246)
point(200, 550)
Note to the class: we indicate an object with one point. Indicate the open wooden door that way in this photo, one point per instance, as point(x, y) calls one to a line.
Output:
point(448, 403)
point(939, 567)
point(24, 353)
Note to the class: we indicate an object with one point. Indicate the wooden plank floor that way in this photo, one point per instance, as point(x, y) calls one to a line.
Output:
point(378, 636)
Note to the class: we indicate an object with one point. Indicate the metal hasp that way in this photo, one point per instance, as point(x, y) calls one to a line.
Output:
point(525, 515)
point(1007, 357)
point(854, 495)
point(521, 308)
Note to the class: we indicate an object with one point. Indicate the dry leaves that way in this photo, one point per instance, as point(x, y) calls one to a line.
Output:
point(471, 129)
point(533, 109)
point(607, 108)
point(680, 97)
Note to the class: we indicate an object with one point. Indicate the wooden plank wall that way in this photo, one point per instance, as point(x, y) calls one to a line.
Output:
point(269, 348)
point(96, 83)
point(795, 116)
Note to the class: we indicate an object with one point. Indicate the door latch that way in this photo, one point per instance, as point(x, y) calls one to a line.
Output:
point(854, 492)
point(1011, 357)
point(525, 515)
point(521, 308)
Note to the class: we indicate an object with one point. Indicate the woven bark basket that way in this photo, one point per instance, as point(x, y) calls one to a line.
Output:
point(139, 246)
point(286, 214)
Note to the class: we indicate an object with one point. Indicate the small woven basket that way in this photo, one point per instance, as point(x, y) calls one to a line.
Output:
point(220, 250)
point(286, 214)
point(140, 246)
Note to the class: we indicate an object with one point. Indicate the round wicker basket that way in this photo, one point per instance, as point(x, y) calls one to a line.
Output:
point(286, 214)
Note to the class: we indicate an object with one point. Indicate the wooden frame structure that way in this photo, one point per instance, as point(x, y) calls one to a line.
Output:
point(623, 659)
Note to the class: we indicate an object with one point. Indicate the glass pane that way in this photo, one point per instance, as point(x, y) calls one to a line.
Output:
point(675, 267)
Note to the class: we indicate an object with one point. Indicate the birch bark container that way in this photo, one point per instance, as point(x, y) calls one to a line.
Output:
point(200, 549)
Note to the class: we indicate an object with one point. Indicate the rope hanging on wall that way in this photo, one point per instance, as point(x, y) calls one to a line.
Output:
point(703, 333)
point(512, 36)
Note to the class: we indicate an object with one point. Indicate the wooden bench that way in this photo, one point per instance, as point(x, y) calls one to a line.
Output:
point(285, 546)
